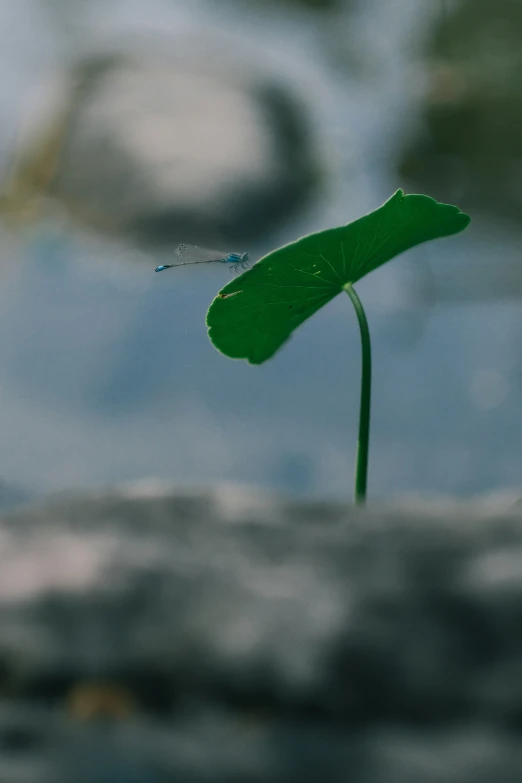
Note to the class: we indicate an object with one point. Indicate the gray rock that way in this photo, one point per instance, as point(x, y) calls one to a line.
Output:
point(230, 636)
point(195, 148)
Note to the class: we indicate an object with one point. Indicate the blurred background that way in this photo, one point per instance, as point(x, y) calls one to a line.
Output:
point(128, 127)
point(211, 630)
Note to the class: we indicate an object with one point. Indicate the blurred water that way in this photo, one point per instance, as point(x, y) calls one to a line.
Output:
point(106, 372)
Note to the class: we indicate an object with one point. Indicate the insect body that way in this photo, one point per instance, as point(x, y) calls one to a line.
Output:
point(191, 254)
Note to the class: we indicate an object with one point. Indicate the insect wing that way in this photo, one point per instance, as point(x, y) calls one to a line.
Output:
point(191, 254)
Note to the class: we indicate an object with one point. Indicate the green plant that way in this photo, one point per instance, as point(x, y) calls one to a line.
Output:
point(256, 313)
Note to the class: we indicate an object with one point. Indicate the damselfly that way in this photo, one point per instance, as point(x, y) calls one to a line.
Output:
point(190, 254)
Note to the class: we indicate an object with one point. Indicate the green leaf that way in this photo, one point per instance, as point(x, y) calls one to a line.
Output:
point(256, 313)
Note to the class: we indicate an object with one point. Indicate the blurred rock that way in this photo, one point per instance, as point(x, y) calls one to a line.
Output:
point(469, 147)
point(196, 148)
point(231, 636)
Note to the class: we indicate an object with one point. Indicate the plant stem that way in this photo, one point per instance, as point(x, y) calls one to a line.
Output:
point(363, 444)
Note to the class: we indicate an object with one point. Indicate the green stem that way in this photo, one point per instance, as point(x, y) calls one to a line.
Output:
point(363, 444)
